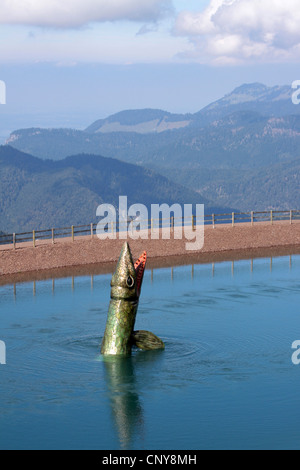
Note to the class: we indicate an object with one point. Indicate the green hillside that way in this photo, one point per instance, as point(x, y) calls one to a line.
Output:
point(38, 194)
point(274, 187)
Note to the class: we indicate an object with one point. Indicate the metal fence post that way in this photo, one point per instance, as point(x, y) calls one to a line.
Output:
point(193, 223)
point(252, 218)
point(33, 238)
point(92, 231)
point(272, 218)
point(233, 219)
point(291, 217)
point(53, 236)
point(14, 240)
point(213, 220)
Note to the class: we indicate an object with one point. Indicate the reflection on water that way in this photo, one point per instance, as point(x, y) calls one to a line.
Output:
point(125, 402)
point(289, 261)
point(225, 379)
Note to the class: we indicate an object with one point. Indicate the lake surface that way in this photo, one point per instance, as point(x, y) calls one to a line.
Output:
point(225, 381)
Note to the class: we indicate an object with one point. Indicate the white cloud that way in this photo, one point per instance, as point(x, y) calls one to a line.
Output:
point(76, 13)
point(243, 30)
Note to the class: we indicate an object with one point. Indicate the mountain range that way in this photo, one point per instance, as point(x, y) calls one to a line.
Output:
point(254, 126)
point(242, 151)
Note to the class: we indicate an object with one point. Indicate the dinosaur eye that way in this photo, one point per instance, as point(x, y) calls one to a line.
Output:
point(130, 282)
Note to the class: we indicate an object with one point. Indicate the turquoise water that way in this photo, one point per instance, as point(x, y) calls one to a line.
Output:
point(225, 380)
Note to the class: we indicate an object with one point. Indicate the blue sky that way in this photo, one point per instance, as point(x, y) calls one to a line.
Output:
point(68, 63)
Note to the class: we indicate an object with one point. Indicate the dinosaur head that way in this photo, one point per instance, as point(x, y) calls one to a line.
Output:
point(127, 280)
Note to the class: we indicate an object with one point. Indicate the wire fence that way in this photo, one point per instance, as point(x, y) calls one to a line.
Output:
point(171, 223)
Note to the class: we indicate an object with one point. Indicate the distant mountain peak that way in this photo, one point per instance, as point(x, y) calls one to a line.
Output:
point(140, 121)
point(250, 88)
point(272, 101)
point(257, 92)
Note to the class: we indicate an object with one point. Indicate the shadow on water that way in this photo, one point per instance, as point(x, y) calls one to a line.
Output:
point(124, 397)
